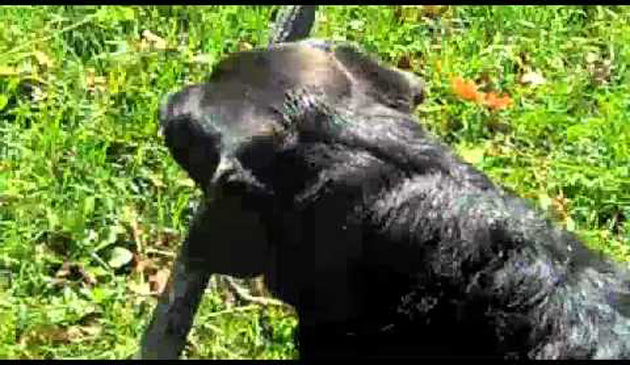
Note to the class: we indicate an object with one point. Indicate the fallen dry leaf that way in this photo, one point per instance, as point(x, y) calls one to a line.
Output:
point(414, 13)
point(157, 273)
point(59, 334)
point(404, 63)
point(158, 281)
point(143, 265)
point(591, 57)
point(156, 41)
point(598, 68)
point(54, 334)
point(168, 238)
point(560, 207)
point(433, 11)
point(38, 94)
point(203, 58)
point(79, 334)
point(533, 78)
point(142, 288)
point(244, 46)
point(89, 332)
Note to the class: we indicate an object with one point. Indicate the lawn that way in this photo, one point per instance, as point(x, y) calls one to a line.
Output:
point(92, 206)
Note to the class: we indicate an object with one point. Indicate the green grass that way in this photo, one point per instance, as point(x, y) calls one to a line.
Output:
point(84, 173)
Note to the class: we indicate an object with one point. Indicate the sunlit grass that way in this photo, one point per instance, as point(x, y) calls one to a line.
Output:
point(84, 174)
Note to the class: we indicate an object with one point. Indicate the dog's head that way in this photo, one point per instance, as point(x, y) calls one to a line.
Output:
point(227, 132)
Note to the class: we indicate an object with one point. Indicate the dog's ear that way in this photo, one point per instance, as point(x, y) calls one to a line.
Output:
point(306, 111)
point(394, 88)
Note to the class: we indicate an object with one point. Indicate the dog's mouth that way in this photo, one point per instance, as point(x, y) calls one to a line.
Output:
point(231, 179)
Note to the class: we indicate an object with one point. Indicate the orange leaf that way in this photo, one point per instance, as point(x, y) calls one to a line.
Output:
point(497, 103)
point(467, 90)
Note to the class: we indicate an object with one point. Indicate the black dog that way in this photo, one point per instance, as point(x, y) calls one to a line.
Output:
point(317, 176)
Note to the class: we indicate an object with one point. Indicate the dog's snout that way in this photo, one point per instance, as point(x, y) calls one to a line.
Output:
point(193, 142)
point(194, 147)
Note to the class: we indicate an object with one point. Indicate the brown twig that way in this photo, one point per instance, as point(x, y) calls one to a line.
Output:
point(244, 294)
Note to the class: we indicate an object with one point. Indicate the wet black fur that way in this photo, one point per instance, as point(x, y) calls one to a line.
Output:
point(387, 243)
